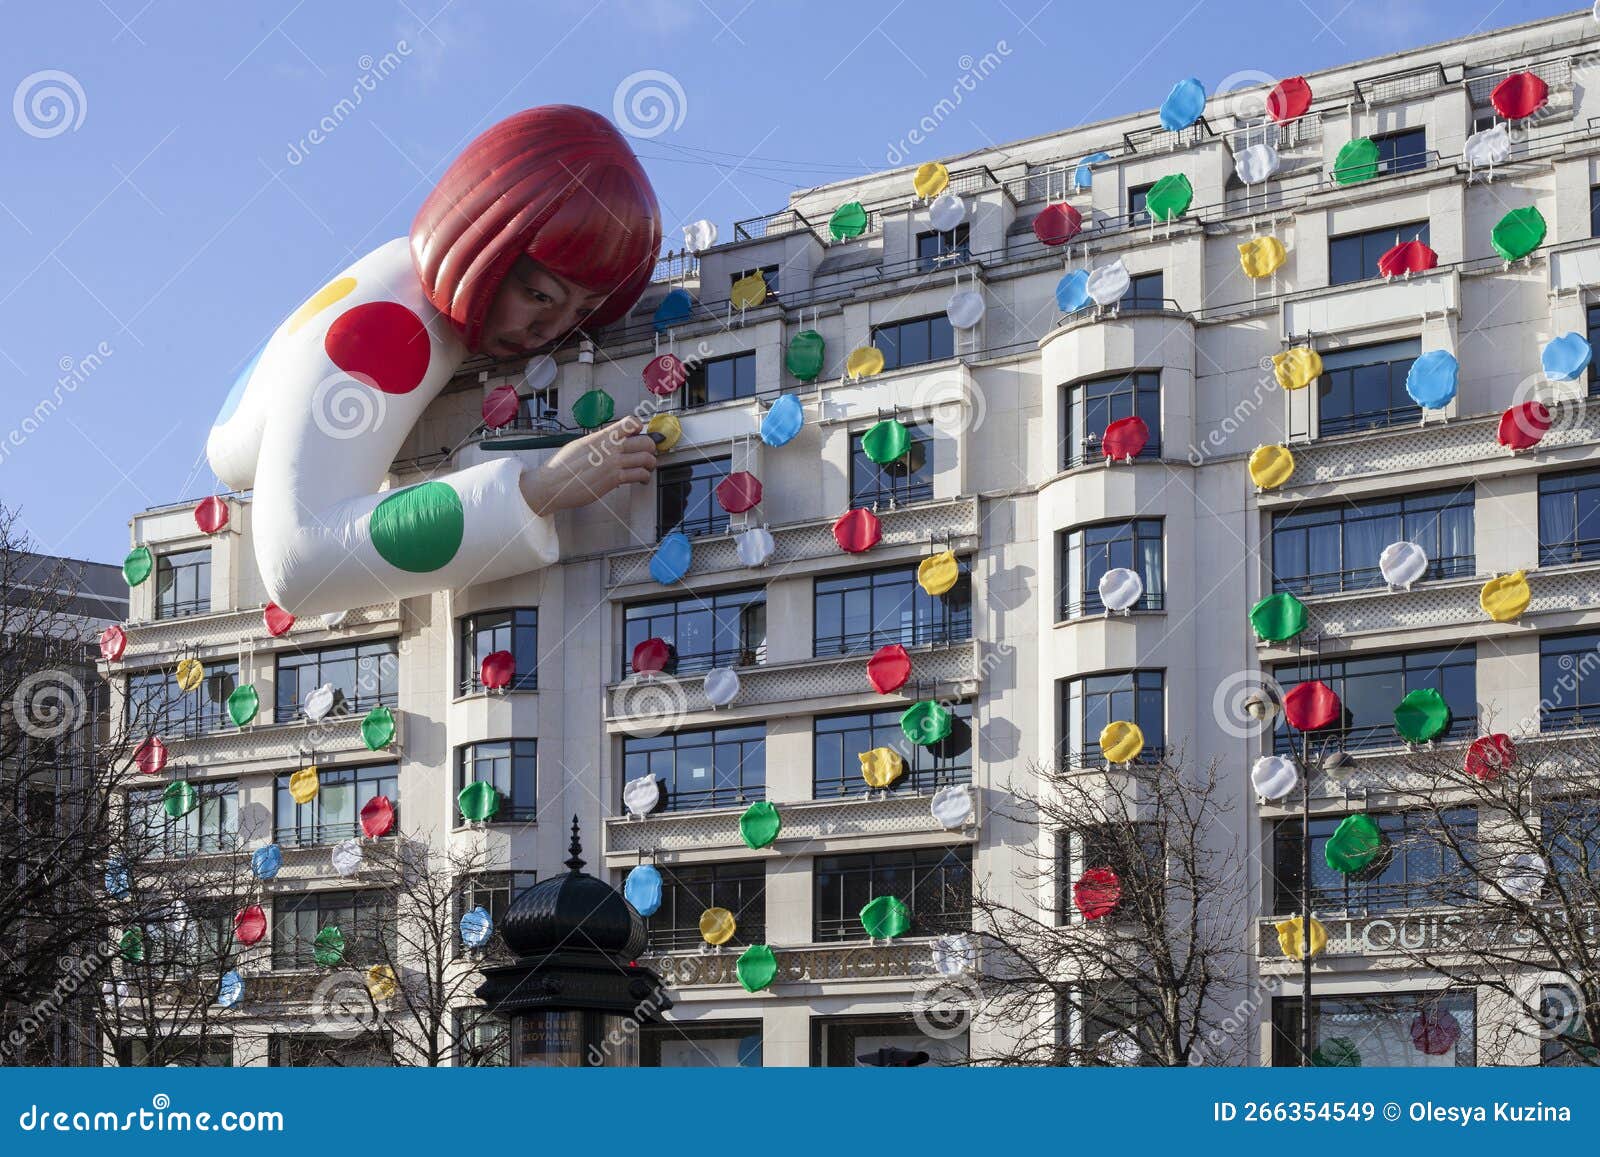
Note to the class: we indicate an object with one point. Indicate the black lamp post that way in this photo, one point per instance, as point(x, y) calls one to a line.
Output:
point(575, 996)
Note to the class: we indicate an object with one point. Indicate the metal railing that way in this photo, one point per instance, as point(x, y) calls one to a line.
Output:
point(322, 832)
point(751, 929)
point(1364, 578)
point(772, 225)
point(675, 265)
point(1371, 737)
point(1090, 604)
point(1575, 550)
point(1159, 139)
point(955, 629)
point(922, 781)
point(1557, 74)
point(728, 795)
point(1402, 85)
point(696, 661)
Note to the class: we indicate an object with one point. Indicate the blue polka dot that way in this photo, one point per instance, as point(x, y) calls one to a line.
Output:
point(231, 402)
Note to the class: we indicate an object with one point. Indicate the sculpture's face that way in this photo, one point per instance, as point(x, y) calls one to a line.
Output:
point(533, 309)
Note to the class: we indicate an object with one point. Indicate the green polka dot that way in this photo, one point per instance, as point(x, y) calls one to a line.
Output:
point(137, 566)
point(419, 529)
point(593, 409)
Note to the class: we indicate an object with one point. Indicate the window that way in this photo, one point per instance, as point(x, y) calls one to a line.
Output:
point(687, 890)
point(1089, 551)
point(1402, 152)
point(721, 379)
point(769, 274)
point(1592, 320)
point(685, 498)
point(911, 343)
point(1136, 202)
point(1336, 548)
point(1594, 218)
point(366, 919)
point(482, 1039)
point(1416, 869)
point(907, 479)
point(1087, 408)
point(536, 409)
point(838, 739)
point(1133, 850)
point(213, 826)
point(721, 1044)
point(1564, 1038)
point(1569, 517)
point(495, 892)
point(720, 767)
point(1089, 703)
point(156, 705)
point(861, 612)
point(183, 584)
point(1354, 256)
point(936, 249)
point(1104, 1018)
point(1569, 835)
point(1569, 680)
point(1369, 688)
point(845, 1042)
point(1373, 1031)
point(334, 813)
point(300, 1050)
point(1364, 389)
point(516, 631)
point(724, 629)
point(512, 766)
point(1145, 291)
point(187, 1052)
point(363, 676)
point(935, 884)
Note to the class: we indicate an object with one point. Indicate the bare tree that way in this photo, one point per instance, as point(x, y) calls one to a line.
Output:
point(1086, 970)
point(1514, 829)
point(62, 761)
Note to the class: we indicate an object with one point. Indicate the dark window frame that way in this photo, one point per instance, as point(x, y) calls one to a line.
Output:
point(741, 612)
point(1286, 1029)
point(687, 890)
point(302, 824)
point(1392, 161)
point(940, 249)
point(891, 484)
point(371, 926)
point(739, 748)
point(1084, 562)
point(1420, 516)
point(902, 341)
point(171, 838)
point(155, 705)
point(704, 385)
point(1402, 883)
point(1148, 688)
point(1562, 659)
point(1341, 370)
point(1353, 257)
point(836, 741)
point(183, 573)
point(1112, 396)
point(514, 629)
point(1412, 672)
point(935, 884)
point(693, 484)
point(936, 620)
point(367, 655)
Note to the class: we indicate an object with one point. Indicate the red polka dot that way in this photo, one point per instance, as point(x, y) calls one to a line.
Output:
point(382, 344)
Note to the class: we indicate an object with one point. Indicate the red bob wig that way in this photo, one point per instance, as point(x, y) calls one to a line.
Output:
point(556, 183)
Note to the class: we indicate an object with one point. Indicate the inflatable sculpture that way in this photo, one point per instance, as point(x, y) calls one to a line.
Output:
point(545, 223)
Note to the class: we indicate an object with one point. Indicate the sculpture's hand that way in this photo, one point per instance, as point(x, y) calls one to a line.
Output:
point(586, 470)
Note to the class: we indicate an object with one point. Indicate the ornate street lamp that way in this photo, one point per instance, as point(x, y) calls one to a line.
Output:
point(575, 995)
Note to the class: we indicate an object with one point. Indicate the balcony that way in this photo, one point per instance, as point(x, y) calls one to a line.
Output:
point(1405, 933)
point(822, 825)
point(1381, 454)
point(1446, 603)
point(863, 962)
point(909, 532)
point(275, 743)
point(1365, 304)
point(231, 629)
point(652, 704)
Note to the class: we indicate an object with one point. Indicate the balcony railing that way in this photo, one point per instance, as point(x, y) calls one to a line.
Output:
point(1090, 604)
point(925, 781)
point(1576, 550)
point(955, 629)
point(659, 940)
point(725, 795)
point(1369, 737)
point(343, 706)
point(697, 661)
point(1370, 578)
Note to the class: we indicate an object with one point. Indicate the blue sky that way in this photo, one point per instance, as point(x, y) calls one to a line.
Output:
point(154, 236)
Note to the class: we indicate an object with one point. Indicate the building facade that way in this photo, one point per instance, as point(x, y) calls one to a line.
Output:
point(1006, 470)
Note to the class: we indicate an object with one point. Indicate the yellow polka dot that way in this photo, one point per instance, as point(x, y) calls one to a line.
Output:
point(336, 290)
